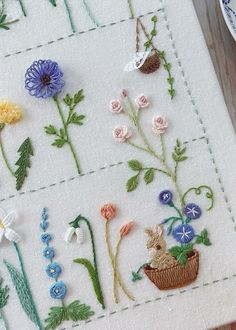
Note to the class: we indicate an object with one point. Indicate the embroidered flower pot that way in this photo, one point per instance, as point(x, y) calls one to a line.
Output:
point(175, 276)
point(151, 64)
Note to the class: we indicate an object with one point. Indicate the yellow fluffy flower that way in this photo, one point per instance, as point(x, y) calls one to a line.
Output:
point(10, 113)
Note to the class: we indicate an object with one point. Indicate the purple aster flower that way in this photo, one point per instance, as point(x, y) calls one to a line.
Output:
point(183, 234)
point(53, 270)
point(165, 197)
point(192, 211)
point(44, 79)
point(58, 290)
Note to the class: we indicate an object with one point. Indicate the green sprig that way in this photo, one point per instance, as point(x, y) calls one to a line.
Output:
point(203, 238)
point(181, 253)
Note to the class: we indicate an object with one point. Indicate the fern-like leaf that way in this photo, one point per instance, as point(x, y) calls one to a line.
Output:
point(53, 2)
point(25, 150)
point(22, 292)
point(55, 317)
point(77, 312)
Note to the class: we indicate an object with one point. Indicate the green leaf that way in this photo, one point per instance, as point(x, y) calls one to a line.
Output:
point(51, 130)
point(181, 253)
point(178, 153)
point(154, 19)
point(167, 66)
point(147, 44)
point(153, 33)
point(3, 294)
point(93, 276)
point(132, 183)
point(2, 18)
point(68, 100)
point(199, 240)
point(59, 143)
point(23, 292)
point(25, 150)
point(55, 317)
point(53, 2)
point(204, 233)
point(78, 97)
point(149, 175)
point(207, 242)
point(77, 119)
point(76, 311)
point(175, 251)
point(136, 276)
point(135, 165)
point(62, 133)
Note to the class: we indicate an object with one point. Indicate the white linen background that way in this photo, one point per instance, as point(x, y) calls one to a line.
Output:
point(95, 61)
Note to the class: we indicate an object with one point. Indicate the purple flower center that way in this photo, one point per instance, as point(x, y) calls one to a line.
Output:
point(46, 79)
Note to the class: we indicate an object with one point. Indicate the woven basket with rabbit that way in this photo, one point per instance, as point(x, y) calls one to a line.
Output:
point(177, 266)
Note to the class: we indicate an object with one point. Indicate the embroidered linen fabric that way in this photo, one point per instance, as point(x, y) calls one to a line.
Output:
point(94, 60)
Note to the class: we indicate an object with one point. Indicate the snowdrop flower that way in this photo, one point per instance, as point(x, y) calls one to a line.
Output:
point(77, 232)
point(5, 224)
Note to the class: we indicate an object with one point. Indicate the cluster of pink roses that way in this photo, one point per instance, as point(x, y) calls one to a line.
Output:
point(123, 133)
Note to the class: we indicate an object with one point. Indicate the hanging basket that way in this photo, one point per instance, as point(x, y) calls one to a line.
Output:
point(176, 276)
point(151, 64)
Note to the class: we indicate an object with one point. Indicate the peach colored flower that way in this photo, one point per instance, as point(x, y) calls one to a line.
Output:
point(159, 125)
point(126, 228)
point(108, 211)
point(116, 106)
point(121, 133)
point(142, 101)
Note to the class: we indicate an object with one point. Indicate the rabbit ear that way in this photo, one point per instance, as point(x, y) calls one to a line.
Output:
point(159, 230)
point(149, 232)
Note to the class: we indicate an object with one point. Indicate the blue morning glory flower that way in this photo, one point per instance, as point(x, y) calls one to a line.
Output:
point(165, 197)
point(226, 2)
point(192, 211)
point(44, 79)
point(58, 290)
point(49, 252)
point(183, 233)
point(53, 270)
point(46, 238)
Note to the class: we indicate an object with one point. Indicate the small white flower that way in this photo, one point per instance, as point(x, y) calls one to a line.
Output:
point(5, 230)
point(78, 232)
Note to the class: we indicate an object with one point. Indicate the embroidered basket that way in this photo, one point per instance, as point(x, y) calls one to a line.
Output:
point(151, 64)
point(175, 276)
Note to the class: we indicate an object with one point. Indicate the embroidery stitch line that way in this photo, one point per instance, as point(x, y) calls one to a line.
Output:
point(78, 33)
point(226, 278)
point(196, 111)
point(81, 175)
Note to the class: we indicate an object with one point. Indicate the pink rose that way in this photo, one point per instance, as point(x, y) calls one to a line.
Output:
point(159, 125)
point(124, 93)
point(121, 133)
point(116, 106)
point(142, 101)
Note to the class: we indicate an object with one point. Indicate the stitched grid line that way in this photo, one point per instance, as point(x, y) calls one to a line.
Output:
point(170, 295)
point(196, 111)
point(79, 33)
point(79, 175)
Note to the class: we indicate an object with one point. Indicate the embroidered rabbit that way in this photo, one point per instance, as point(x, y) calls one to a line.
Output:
point(159, 257)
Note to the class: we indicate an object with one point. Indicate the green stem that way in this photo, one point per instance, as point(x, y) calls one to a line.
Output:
point(130, 8)
point(55, 98)
point(27, 284)
point(157, 169)
point(22, 7)
point(5, 157)
point(4, 321)
point(70, 16)
point(80, 218)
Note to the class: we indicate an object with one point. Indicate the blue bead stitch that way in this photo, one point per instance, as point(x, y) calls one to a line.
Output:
point(49, 252)
point(58, 290)
point(46, 238)
point(53, 270)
